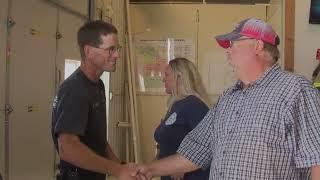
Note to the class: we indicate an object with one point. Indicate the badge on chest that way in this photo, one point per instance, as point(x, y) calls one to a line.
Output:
point(171, 119)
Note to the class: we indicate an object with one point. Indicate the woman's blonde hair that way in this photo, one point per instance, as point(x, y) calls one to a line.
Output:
point(190, 81)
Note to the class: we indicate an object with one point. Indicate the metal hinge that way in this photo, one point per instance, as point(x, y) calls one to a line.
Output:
point(58, 35)
point(10, 22)
point(7, 109)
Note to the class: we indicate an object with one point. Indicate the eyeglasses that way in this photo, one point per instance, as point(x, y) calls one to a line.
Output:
point(240, 39)
point(110, 50)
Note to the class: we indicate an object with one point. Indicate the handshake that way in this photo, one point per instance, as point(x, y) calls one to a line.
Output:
point(133, 171)
point(175, 166)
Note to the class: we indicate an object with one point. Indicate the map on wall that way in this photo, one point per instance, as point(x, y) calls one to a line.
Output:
point(151, 57)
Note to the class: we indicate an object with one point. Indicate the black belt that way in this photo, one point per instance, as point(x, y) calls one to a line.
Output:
point(73, 173)
point(69, 171)
point(72, 170)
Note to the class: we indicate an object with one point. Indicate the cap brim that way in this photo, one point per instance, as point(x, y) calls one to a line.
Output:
point(224, 40)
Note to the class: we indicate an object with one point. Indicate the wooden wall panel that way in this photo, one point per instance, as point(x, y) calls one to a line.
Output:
point(289, 35)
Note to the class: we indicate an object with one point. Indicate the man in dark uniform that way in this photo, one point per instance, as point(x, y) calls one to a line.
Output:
point(79, 110)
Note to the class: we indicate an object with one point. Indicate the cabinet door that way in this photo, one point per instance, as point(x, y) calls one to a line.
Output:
point(31, 87)
point(68, 54)
point(67, 45)
point(3, 39)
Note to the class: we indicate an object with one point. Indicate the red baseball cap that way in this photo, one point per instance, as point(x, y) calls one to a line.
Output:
point(253, 28)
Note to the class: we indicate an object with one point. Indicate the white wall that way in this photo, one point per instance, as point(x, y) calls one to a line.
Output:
point(307, 40)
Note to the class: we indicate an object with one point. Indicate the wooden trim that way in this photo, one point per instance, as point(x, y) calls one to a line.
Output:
point(289, 35)
point(132, 89)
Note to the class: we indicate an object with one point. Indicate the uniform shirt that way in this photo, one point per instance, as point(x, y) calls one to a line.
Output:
point(268, 131)
point(79, 108)
point(183, 116)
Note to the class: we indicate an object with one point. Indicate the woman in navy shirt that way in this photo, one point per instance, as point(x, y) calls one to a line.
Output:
point(187, 105)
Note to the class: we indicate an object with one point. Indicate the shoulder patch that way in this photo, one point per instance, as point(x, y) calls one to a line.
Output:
point(55, 101)
point(171, 119)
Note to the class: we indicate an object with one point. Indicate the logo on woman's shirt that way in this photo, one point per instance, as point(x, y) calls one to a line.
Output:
point(171, 119)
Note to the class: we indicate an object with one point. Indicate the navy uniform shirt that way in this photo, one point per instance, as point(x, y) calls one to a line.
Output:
point(80, 109)
point(183, 116)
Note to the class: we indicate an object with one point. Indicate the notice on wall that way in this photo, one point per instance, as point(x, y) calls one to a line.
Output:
point(152, 56)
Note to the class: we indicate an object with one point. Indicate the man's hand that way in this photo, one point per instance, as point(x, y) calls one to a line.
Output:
point(315, 172)
point(128, 172)
point(166, 166)
point(144, 173)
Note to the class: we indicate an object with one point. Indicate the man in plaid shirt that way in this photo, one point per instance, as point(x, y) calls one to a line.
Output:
point(265, 127)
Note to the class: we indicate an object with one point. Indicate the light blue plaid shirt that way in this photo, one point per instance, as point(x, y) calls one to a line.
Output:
point(269, 131)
